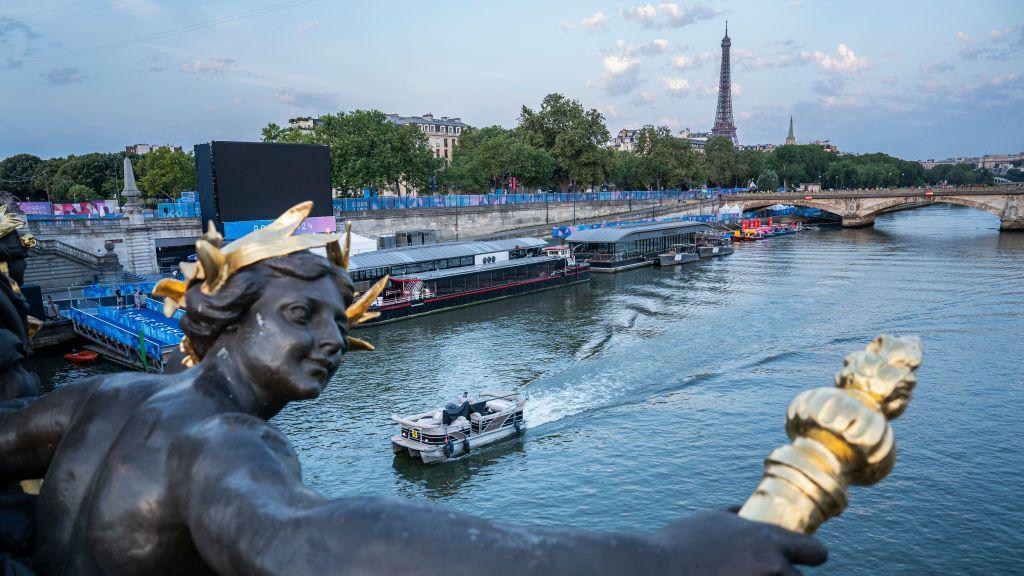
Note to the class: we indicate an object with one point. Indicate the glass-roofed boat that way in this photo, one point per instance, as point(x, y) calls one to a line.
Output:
point(434, 277)
point(617, 248)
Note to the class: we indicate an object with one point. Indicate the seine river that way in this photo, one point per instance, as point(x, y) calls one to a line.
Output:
point(657, 393)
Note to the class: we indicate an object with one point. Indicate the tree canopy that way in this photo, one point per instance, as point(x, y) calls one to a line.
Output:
point(368, 151)
point(572, 135)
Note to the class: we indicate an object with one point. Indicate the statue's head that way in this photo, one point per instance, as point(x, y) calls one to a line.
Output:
point(13, 245)
point(264, 304)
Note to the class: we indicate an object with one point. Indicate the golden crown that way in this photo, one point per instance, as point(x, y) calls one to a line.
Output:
point(11, 222)
point(216, 264)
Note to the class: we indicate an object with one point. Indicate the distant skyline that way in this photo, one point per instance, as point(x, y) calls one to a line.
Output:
point(914, 79)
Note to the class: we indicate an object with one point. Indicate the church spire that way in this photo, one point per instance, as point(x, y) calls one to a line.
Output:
point(790, 139)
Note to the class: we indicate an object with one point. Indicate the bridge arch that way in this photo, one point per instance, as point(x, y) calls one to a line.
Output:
point(896, 203)
point(824, 206)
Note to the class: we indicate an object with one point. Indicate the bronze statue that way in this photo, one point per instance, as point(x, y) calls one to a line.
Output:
point(181, 474)
point(17, 380)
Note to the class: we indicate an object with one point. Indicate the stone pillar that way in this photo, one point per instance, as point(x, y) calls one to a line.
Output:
point(858, 221)
point(141, 250)
point(1013, 215)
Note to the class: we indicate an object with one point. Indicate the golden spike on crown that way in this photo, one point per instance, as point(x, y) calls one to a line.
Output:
point(215, 265)
point(10, 222)
point(338, 254)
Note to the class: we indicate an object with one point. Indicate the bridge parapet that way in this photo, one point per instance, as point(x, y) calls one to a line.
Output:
point(860, 207)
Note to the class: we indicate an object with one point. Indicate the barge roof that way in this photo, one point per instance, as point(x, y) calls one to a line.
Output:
point(637, 231)
point(435, 274)
point(429, 252)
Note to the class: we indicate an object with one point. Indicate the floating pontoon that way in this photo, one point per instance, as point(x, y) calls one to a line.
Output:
point(494, 416)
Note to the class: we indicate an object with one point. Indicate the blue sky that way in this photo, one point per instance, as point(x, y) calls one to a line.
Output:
point(915, 79)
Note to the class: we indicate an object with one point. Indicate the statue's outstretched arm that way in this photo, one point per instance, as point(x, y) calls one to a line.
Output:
point(248, 512)
point(29, 436)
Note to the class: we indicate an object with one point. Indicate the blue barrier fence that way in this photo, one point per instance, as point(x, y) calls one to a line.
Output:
point(127, 290)
point(459, 200)
point(158, 307)
point(113, 331)
point(152, 325)
point(566, 231)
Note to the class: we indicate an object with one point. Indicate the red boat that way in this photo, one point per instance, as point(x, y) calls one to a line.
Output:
point(82, 357)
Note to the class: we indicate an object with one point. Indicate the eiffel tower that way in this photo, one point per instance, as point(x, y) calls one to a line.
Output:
point(724, 125)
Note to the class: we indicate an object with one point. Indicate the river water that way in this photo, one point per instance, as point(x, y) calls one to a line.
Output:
point(657, 393)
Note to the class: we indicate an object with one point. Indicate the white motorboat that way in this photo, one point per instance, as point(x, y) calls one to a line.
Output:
point(436, 437)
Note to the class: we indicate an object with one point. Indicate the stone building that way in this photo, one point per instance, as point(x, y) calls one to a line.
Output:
point(442, 133)
point(625, 141)
point(141, 149)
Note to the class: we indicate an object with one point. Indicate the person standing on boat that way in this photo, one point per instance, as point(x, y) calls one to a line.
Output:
point(118, 297)
point(458, 407)
point(138, 298)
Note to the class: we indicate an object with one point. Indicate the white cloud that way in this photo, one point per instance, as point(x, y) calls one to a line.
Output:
point(846, 61)
point(236, 100)
point(998, 34)
point(216, 66)
point(1010, 80)
point(683, 62)
point(643, 98)
point(676, 86)
point(656, 46)
point(671, 122)
point(307, 101)
point(1002, 44)
point(609, 111)
point(754, 60)
point(596, 20)
point(620, 74)
point(668, 15)
point(310, 26)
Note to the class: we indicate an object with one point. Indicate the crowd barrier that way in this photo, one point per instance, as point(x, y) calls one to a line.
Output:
point(158, 306)
point(566, 231)
point(113, 331)
point(127, 290)
point(153, 328)
point(460, 200)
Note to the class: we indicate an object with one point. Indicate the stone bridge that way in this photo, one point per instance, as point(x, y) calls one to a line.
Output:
point(859, 207)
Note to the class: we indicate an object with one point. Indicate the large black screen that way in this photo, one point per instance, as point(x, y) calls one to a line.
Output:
point(258, 181)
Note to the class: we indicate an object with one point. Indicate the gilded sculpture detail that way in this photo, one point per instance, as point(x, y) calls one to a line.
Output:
point(840, 436)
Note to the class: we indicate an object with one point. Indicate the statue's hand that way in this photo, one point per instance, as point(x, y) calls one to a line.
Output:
point(721, 542)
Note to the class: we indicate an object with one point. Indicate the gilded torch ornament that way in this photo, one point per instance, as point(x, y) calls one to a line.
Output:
point(839, 436)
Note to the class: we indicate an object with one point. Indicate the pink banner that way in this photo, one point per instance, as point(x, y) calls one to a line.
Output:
point(93, 209)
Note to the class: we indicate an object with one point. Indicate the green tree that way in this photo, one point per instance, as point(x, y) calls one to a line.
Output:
point(720, 162)
point(165, 173)
point(665, 161)
point(768, 180)
point(76, 193)
point(18, 172)
point(574, 137)
point(368, 150)
point(750, 165)
point(487, 157)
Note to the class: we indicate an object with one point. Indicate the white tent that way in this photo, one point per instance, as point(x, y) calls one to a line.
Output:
point(730, 209)
point(362, 244)
point(359, 244)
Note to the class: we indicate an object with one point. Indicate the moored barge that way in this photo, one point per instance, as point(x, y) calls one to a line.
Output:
point(436, 277)
point(617, 248)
